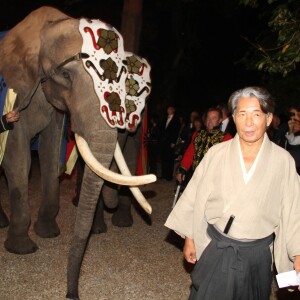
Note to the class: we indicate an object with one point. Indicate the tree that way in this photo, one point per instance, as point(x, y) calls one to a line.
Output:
point(277, 50)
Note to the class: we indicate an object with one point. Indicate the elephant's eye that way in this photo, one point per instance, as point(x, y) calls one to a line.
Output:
point(65, 74)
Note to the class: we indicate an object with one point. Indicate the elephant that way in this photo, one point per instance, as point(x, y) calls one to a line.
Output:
point(57, 64)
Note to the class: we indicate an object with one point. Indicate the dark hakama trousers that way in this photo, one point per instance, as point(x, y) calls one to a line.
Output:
point(230, 269)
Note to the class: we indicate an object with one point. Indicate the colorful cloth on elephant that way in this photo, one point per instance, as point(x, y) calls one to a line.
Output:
point(121, 79)
point(7, 99)
point(3, 86)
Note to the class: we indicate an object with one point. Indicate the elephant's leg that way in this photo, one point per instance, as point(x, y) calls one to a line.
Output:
point(109, 193)
point(99, 225)
point(17, 164)
point(123, 217)
point(49, 156)
point(3, 218)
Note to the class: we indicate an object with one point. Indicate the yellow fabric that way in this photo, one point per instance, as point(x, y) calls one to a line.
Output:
point(71, 161)
point(8, 106)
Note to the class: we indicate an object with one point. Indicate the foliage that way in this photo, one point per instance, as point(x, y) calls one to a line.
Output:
point(279, 47)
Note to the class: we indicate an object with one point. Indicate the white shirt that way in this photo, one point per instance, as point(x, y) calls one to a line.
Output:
point(224, 124)
point(170, 117)
point(292, 139)
point(247, 175)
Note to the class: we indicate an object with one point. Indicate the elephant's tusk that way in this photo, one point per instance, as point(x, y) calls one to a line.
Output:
point(105, 173)
point(119, 158)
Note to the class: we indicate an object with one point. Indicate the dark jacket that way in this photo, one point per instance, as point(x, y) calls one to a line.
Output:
point(169, 135)
point(5, 125)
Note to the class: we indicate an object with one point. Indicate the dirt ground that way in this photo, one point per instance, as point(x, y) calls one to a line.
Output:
point(140, 262)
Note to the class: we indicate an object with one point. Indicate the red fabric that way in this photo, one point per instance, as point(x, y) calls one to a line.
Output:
point(142, 166)
point(227, 137)
point(188, 156)
point(187, 159)
point(70, 141)
point(70, 146)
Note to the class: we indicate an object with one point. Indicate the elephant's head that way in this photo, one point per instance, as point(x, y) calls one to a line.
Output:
point(85, 71)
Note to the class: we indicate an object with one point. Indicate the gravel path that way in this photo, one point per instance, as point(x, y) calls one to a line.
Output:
point(142, 262)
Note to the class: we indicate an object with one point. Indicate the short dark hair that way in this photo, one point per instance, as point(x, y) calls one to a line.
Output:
point(266, 101)
point(218, 110)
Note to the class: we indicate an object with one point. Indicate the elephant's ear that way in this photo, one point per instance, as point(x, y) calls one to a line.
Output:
point(19, 50)
point(138, 88)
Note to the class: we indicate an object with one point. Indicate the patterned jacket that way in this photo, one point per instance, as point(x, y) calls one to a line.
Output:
point(201, 142)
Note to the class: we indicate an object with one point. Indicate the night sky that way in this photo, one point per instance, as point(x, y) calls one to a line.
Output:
point(194, 47)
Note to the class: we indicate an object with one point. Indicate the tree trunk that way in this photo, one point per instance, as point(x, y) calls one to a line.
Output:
point(132, 24)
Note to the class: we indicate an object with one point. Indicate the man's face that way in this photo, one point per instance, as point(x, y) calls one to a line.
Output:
point(170, 110)
point(193, 116)
point(212, 120)
point(294, 114)
point(251, 122)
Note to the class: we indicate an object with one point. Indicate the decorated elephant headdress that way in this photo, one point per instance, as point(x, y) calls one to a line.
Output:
point(121, 79)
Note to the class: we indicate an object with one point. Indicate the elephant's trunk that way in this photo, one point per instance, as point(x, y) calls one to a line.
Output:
point(91, 185)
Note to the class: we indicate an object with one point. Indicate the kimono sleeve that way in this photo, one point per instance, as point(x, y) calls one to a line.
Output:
point(287, 242)
point(181, 219)
point(293, 219)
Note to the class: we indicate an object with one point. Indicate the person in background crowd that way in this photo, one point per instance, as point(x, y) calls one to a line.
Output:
point(153, 139)
point(169, 133)
point(185, 134)
point(201, 141)
point(6, 121)
point(227, 124)
point(287, 136)
point(272, 131)
point(193, 115)
point(242, 193)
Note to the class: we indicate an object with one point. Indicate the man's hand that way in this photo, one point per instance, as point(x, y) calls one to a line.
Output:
point(189, 251)
point(297, 266)
point(12, 116)
point(180, 177)
point(294, 125)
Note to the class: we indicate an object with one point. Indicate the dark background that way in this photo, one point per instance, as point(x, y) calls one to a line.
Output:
point(195, 47)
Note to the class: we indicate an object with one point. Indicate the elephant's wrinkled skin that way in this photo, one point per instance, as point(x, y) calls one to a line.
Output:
point(115, 197)
point(119, 197)
point(32, 49)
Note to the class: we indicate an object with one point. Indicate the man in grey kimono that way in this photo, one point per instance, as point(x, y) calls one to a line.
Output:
point(254, 181)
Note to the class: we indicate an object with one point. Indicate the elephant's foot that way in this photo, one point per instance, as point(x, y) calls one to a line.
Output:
point(110, 202)
point(71, 296)
point(3, 220)
point(122, 218)
point(99, 226)
point(20, 245)
point(46, 229)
